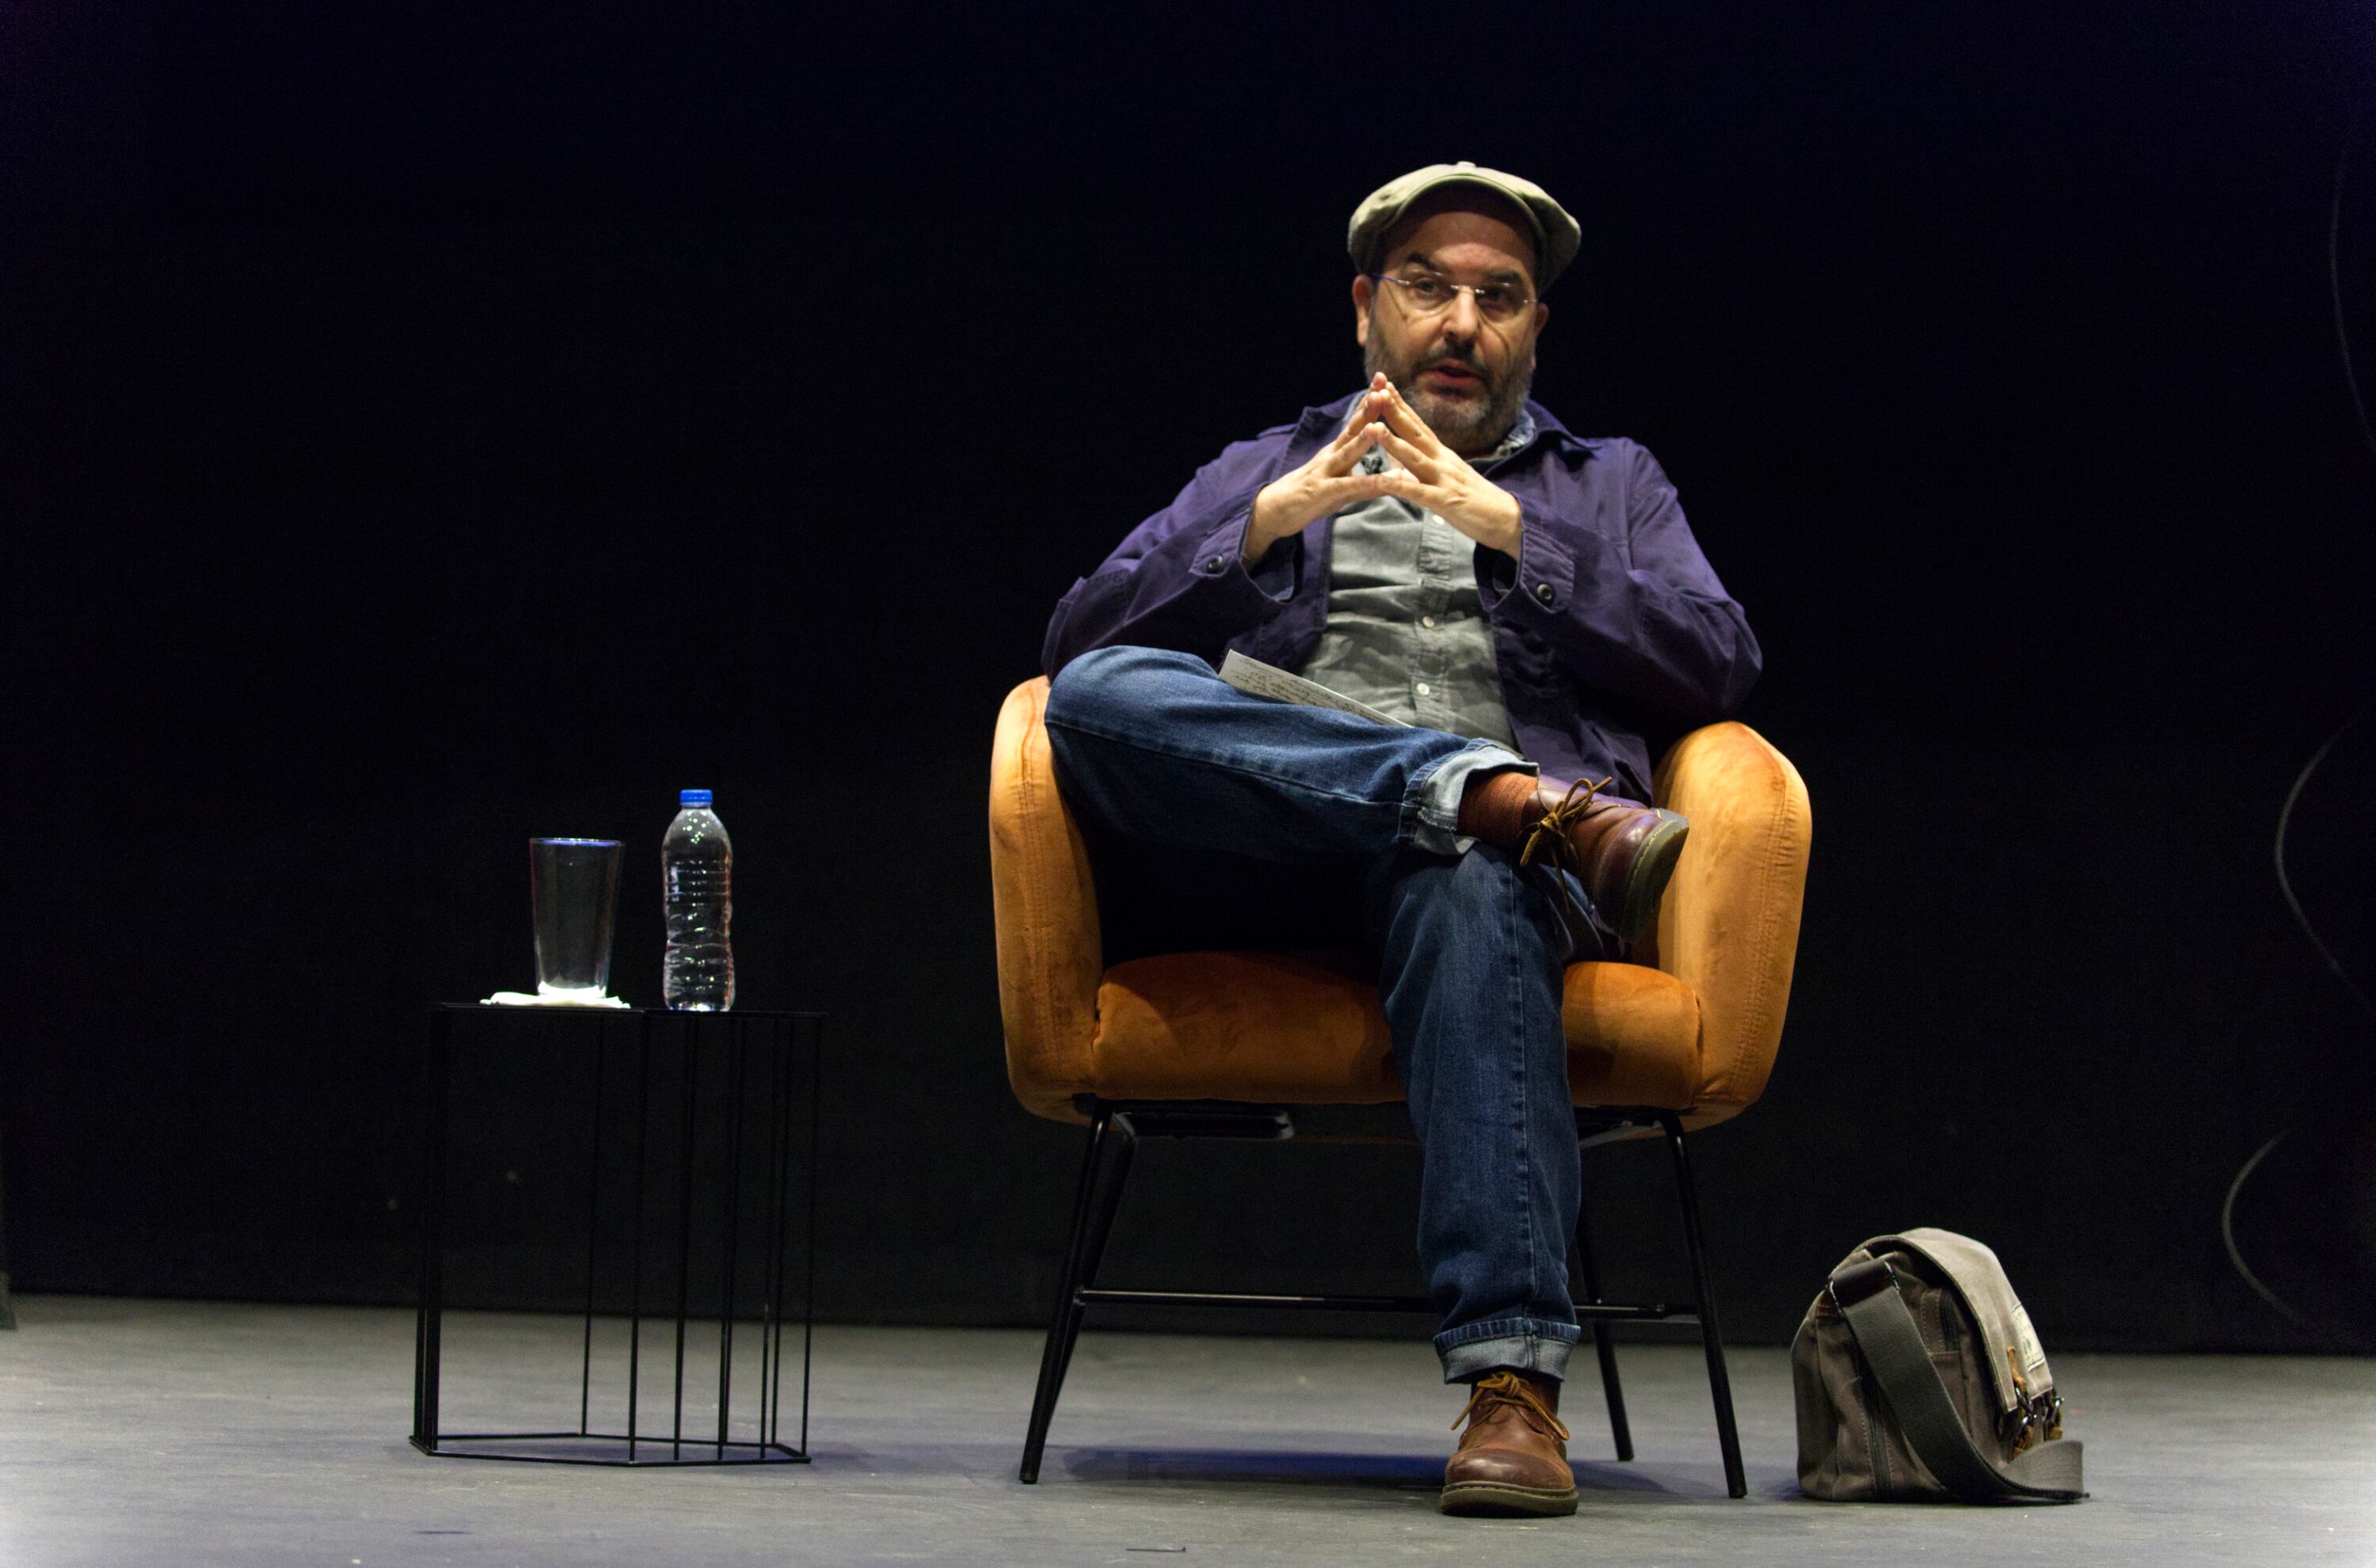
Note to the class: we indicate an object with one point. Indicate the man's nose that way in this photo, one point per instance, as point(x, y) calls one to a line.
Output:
point(1461, 318)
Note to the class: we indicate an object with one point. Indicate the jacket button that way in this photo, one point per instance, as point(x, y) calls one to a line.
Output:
point(1543, 592)
point(1212, 563)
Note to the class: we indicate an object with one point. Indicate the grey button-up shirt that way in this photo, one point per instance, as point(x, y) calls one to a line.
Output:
point(1406, 633)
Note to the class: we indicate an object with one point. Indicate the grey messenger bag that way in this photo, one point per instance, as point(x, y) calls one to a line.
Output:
point(1919, 1379)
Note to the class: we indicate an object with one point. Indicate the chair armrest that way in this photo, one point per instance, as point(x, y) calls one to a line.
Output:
point(1729, 925)
point(1051, 952)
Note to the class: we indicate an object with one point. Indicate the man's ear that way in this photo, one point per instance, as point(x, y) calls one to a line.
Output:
point(1363, 289)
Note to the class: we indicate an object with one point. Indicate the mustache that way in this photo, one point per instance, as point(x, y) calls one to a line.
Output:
point(1468, 362)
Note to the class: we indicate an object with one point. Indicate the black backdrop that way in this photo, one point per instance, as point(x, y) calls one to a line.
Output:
point(426, 430)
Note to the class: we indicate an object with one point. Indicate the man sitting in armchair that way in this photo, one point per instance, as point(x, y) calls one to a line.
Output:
point(1528, 603)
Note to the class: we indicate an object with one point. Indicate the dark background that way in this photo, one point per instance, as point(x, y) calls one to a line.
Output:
point(421, 430)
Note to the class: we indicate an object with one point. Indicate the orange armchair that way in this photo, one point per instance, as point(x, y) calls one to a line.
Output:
point(1231, 1044)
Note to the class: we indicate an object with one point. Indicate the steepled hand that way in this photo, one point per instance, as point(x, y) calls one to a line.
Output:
point(1433, 476)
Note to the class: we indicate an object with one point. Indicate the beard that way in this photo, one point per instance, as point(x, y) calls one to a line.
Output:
point(1469, 425)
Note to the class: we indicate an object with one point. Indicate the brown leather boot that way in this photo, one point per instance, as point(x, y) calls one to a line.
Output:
point(1512, 1458)
point(1622, 850)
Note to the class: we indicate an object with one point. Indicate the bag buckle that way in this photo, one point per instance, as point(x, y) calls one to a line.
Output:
point(2042, 1414)
point(1860, 1282)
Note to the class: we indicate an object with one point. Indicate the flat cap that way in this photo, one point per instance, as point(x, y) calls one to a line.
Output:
point(1556, 235)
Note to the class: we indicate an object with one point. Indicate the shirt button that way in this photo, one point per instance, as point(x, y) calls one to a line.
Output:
point(1428, 621)
point(1543, 592)
point(1421, 688)
point(1212, 563)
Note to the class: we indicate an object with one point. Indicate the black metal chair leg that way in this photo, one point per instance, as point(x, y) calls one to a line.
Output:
point(1054, 1354)
point(1612, 1390)
point(1736, 1478)
point(1125, 1139)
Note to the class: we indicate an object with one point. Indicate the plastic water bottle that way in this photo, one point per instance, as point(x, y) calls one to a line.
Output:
point(697, 875)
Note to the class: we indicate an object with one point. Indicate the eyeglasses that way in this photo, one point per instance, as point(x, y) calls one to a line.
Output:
point(1426, 294)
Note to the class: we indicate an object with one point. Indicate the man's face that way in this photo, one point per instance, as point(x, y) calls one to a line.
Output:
point(1466, 375)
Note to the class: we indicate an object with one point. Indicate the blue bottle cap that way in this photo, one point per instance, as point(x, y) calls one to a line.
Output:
point(693, 798)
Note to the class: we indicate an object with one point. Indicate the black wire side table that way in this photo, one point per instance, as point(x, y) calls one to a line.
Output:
point(687, 1130)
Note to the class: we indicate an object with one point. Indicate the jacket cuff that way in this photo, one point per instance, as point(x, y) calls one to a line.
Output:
point(1542, 578)
point(1220, 556)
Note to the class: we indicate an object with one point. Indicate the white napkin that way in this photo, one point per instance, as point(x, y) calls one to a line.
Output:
point(551, 999)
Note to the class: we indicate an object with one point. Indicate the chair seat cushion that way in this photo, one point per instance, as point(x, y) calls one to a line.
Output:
point(1304, 1029)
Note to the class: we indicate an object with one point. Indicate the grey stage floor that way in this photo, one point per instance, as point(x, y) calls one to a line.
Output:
point(137, 1433)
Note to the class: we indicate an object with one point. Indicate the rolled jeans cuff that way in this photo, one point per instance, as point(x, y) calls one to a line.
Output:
point(1438, 794)
point(1507, 1344)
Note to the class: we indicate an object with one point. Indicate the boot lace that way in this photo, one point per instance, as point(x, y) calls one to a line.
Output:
point(1501, 1388)
point(1549, 836)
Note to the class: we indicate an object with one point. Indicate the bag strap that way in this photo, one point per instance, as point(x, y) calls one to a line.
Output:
point(1866, 1294)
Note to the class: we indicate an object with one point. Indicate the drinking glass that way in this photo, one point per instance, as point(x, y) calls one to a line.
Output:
point(574, 889)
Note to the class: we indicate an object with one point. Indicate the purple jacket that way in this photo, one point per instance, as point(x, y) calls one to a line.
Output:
point(1609, 624)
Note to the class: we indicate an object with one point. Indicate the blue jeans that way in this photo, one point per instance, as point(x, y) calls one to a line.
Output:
point(1253, 808)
